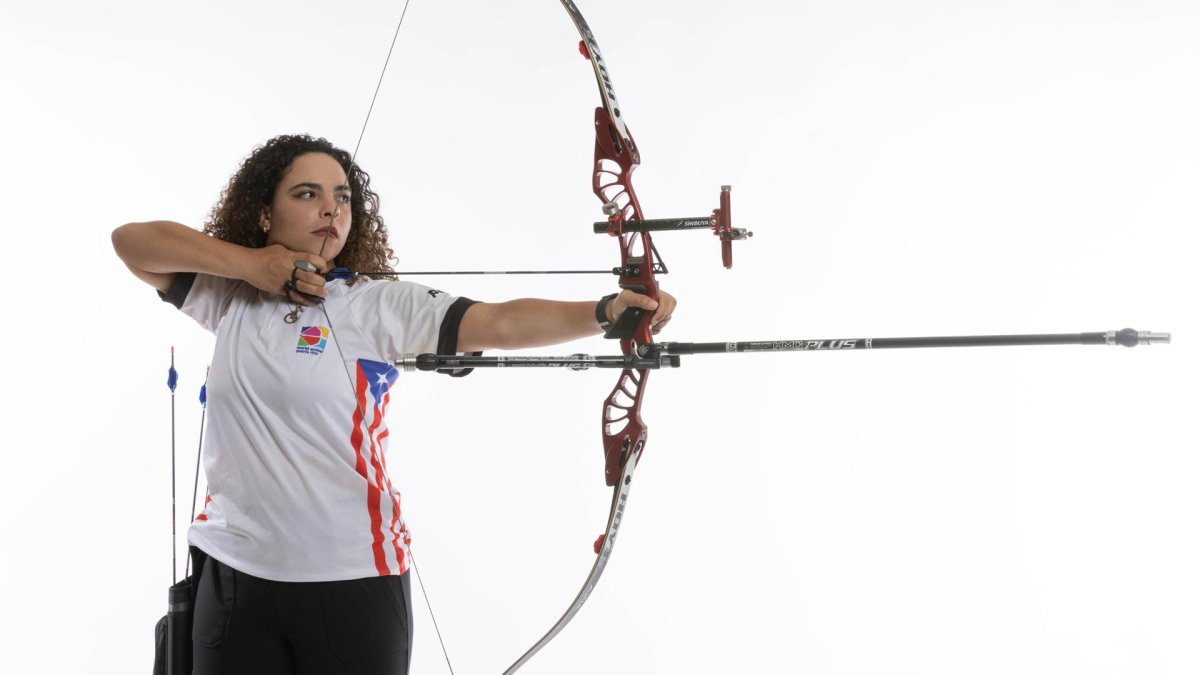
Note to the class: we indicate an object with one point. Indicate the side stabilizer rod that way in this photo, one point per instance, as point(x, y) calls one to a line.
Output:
point(425, 362)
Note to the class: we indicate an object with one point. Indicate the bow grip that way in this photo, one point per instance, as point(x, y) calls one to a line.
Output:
point(626, 325)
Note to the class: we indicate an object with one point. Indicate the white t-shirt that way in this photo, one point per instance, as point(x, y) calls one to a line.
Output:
point(295, 456)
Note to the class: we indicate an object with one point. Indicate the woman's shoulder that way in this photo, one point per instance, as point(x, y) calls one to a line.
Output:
point(397, 298)
point(366, 287)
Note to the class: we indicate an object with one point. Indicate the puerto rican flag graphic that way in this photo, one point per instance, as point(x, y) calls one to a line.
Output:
point(389, 536)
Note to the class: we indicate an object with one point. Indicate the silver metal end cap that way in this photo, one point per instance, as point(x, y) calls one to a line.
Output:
point(1148, 338)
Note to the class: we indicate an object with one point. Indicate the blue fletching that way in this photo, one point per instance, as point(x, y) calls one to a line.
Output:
point(339, 273)
point(204, 393)
point(172, 376)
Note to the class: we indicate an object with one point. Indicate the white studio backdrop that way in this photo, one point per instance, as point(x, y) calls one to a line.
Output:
point(909, 168)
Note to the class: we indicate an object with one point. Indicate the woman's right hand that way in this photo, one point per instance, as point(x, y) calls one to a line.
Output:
point(273, 267)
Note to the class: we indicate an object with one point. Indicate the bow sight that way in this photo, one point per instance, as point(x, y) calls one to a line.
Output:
point(720, 222)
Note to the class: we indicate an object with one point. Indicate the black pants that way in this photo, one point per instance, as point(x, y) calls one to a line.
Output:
point(244, 624)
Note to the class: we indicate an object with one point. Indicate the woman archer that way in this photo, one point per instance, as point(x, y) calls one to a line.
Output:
point(302, 549)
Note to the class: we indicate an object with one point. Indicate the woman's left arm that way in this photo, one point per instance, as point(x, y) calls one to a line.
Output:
point(529, 322)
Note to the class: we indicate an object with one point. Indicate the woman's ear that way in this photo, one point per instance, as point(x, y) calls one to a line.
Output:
point(264, 219)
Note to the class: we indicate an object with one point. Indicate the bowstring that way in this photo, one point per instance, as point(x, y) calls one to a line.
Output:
point(333, 334)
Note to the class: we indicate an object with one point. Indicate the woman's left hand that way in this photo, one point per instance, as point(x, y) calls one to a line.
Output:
point(662, 309)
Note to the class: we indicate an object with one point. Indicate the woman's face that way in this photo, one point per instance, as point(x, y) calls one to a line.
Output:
point(301, 215)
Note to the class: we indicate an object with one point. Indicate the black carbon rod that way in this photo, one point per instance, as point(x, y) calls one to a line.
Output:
point(1127, 338)
point(666, 354)
point(338, 274)
point(658, 225)
point(412, 362)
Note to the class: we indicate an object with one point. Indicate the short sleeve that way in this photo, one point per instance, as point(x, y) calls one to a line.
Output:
point(448, 339)
point(203, 297)
point(399, 317)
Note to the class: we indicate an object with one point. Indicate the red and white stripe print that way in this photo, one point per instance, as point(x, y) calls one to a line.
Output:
point(387, 542)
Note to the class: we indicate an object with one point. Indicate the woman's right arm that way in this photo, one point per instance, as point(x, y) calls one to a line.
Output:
point(157, 250)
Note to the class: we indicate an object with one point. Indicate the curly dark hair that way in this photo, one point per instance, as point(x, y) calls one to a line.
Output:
point(235, 217)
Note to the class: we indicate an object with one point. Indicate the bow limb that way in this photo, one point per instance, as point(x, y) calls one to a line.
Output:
point(622, 429)
point(624, 433)
point(604, 547)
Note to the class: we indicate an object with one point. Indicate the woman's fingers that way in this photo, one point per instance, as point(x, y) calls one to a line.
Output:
point(662, 316)
point(663, 308)
point(292, 274)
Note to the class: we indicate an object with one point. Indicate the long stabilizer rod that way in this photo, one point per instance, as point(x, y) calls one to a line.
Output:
point(666, 354)
point(1126, 338)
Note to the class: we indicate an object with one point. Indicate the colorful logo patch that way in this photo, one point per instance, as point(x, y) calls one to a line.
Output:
point(312, 340)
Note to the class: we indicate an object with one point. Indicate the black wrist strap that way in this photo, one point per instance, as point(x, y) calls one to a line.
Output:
point(602, 312)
